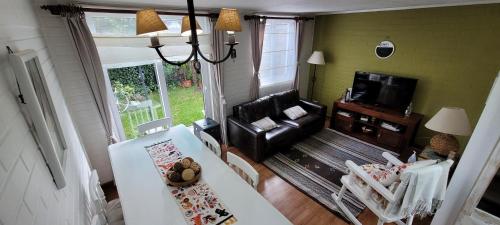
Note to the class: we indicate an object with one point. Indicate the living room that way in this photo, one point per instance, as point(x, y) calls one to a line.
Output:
point(332, 112)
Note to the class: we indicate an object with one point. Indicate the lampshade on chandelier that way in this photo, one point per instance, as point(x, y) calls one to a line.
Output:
point(150, 24)
point(229, 20)
point(186, 29)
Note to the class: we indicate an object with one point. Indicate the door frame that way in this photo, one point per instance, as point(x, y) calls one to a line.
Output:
point(474, 171)
point(162, 85)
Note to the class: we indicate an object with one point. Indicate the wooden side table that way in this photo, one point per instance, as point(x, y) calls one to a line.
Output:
point(428, 153)
point(209, 126)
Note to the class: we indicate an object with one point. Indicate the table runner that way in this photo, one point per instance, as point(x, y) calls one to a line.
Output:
point(198, 202)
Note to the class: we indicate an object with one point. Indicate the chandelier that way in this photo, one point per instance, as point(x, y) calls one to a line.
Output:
point(149, 24)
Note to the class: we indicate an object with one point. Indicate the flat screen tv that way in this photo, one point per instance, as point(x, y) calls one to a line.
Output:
point(383, 90)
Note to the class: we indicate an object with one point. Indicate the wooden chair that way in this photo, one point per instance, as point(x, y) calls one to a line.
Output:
point(96, 220)
point(244, 169)
point(106, 211)
point(211, 143)
point(384, 212)
point(154, 126)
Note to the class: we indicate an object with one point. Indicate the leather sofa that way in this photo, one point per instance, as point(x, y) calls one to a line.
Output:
point(259, 144)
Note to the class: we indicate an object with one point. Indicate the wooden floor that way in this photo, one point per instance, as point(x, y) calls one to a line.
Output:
point(295, 205)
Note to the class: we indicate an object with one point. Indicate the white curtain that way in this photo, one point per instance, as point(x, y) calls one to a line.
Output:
point(219, 101)
point(92, 67)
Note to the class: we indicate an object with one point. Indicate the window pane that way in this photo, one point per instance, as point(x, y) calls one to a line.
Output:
point(123, 25)
point(279, 56)
point(137, 96)
point(277, 75)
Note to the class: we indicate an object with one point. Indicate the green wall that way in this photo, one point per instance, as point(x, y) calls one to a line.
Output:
point(454, 52)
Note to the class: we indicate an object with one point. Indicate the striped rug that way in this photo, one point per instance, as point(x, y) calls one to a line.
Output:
point(316, 164)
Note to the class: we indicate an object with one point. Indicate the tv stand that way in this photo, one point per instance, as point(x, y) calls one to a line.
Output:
point(376, 125)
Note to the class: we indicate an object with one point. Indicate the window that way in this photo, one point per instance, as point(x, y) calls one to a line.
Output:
point(123, 25)
point(144, 88)
point(279, 54)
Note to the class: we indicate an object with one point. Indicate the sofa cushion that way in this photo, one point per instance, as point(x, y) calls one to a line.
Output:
point(281, 135)
point(295, 112)
point(304, 121)
point(265, 124)
point(256, 110)
point(284, 100)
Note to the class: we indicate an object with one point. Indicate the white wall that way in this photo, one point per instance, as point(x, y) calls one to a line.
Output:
point(76, 92)
point(237, 74)
point(27, 192)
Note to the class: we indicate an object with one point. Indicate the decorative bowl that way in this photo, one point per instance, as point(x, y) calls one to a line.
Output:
point(183, 173)
point(184, 183)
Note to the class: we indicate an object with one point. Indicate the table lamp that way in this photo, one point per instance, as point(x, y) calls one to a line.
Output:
point(448, 121)
point(316, 58)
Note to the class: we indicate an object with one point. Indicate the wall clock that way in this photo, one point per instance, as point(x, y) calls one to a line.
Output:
point(384, 49)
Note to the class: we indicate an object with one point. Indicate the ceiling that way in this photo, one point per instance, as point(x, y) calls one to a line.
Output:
point(292, 6)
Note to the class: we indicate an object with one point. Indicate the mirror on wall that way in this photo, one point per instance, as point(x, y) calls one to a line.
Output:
point(39, 112)
point(384, 49)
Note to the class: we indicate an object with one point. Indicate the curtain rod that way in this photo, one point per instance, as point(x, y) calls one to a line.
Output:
point(249, 17)
point(58, 9)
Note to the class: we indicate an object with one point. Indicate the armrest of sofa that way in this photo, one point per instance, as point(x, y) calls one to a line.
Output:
point(312, 107)
point(248, 138)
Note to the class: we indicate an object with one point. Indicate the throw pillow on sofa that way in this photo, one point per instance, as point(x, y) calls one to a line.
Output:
point(295, 112)
point(265, 124)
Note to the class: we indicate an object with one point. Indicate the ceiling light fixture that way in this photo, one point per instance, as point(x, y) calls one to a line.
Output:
point(150, 24)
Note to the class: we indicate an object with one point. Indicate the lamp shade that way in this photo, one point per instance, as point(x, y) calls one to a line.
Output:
point(450, 120)
point(148, 22)
point(186, 29)
point(317, 58)
point(229, 20)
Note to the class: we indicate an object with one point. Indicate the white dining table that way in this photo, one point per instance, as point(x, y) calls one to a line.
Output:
point(146, 200)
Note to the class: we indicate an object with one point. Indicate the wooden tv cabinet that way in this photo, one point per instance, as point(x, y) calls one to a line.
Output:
point(372, 131)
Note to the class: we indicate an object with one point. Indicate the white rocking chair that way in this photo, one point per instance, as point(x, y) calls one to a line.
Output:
point(384, 212)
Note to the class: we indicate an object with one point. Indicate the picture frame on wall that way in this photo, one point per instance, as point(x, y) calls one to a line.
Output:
point(39, 112)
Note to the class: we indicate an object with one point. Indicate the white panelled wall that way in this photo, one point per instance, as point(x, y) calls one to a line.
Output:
point(27, 193)
point(76, 92)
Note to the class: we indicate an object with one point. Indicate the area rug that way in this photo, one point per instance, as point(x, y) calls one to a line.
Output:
point(316, 164)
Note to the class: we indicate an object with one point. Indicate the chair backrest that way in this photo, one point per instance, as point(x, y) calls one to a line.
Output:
point(97, 198)
point(211, 143)
point(244, 169)
point(153, 126)
point(401, 190)
point(97, 220)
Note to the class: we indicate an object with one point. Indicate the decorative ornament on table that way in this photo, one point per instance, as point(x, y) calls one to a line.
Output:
point(413, 158)
point(195, 167)
point(347, 95)
point(186, 163)
point(178, 167)
point(187, 174)
point(409, 110)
